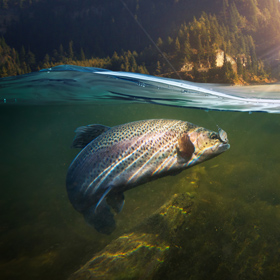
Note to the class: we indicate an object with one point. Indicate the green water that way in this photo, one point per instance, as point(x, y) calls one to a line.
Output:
point(237, 193)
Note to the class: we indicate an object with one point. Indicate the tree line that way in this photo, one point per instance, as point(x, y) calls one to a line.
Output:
point(194, 44)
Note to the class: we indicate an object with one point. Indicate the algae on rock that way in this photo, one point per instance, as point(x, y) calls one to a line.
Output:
point(140, 253)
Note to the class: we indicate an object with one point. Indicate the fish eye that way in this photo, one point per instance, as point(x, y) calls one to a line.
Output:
point(214, 136)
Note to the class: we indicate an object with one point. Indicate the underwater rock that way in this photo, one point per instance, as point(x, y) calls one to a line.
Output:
point(140, 253)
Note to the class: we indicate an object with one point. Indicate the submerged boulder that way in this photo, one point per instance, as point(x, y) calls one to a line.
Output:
point(141, 253)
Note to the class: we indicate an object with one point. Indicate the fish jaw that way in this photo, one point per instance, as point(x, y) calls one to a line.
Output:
point(212, 152)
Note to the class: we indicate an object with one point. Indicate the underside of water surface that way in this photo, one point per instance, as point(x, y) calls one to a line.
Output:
point(75, 84)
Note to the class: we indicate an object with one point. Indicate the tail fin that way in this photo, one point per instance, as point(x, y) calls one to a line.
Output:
point(101, 218)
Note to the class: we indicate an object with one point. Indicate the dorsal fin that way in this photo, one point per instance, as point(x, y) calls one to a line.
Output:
point(85, 134)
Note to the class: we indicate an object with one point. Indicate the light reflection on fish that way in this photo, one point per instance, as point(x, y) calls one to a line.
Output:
point(116, 159)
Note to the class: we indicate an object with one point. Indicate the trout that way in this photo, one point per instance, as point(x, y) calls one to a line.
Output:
point(113, 160)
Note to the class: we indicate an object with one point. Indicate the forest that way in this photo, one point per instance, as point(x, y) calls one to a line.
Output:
point(225, 41)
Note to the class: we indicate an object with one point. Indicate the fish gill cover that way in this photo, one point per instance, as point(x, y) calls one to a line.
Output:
point(69, 83)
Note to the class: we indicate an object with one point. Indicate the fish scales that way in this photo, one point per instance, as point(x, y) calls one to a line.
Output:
point(107, 163)
point(126, 133)
point(129, 155)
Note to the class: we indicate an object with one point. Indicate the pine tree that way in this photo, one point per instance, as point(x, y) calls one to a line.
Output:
point(126, 64)
point(169, 43)
point(213, 56)
point(133, 64)
point(199, 50)
point(177, 45)
point(158, 70)
point(46, 61)
point(253, 12)
point(55, 56)
point(115, 62)
point(15, 56)
point(159, 42)
point(83, 57)
point(61, 53)
point(31, 61)
point(224, 11)
point(233, 17)
point(225, 65)
point(70, 50)
point(186, 51)
point(24, 68)
point(207, 53)
point(195, 72)
point(143, 70)
point(248, 63)
point(239, 66)
point(22, 55)
point(4, 72)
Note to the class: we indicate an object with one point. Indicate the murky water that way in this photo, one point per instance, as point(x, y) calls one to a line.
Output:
point(237, 193)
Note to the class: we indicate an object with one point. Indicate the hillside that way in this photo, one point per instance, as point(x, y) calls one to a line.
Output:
point(113, 34)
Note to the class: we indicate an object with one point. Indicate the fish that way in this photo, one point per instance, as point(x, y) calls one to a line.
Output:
point(116, 159)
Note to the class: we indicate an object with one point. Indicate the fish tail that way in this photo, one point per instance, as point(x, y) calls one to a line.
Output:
point(101, 218)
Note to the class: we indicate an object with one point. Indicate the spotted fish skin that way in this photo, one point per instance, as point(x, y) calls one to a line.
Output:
point(129, 155)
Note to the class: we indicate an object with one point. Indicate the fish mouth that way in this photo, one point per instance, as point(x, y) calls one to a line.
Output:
point(209, 153)
point(222, 147)
point(217, 149)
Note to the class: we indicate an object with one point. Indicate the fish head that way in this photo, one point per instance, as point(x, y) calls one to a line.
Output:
point(205, 144)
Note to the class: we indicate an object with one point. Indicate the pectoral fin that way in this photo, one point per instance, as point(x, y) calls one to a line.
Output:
point(185, 149)
point(85, 134)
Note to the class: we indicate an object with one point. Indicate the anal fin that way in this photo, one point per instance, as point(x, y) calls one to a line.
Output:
point(101, 219)
point(116, 201)
point(100, 216)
